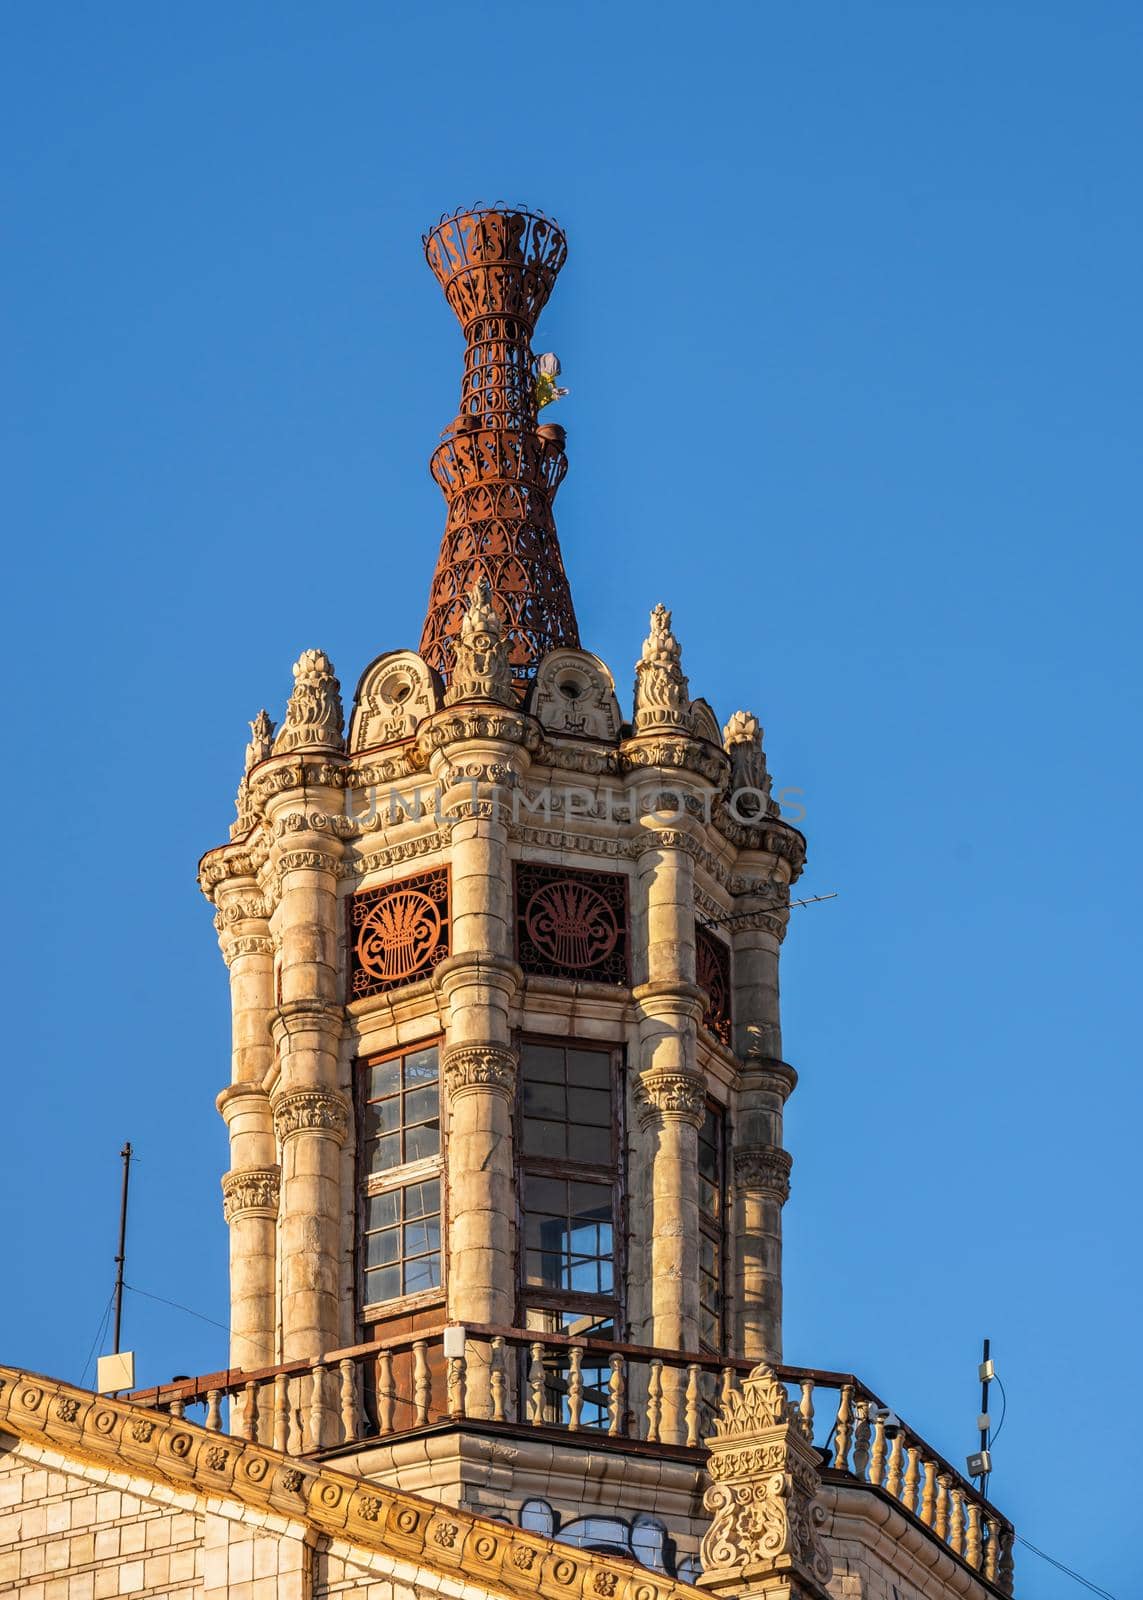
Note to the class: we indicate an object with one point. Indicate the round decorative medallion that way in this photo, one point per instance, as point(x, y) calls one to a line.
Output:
point(571, 924)
point(485, 1547)
point(330, 1495)
point(256, 1468)
point(407, 1521)
point(399, 935)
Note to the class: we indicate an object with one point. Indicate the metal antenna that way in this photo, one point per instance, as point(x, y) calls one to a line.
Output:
point(122, 1256)
point(986, 1370)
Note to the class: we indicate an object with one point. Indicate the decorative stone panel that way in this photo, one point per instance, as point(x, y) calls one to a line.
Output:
point(398, 933)
point(572, 924)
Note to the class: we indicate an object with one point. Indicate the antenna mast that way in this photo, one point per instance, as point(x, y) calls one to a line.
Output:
point(122, 1256)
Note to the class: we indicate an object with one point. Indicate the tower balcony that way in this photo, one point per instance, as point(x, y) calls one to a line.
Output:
point(604, 1445)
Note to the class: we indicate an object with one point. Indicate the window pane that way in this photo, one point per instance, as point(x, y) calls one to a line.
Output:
point(422, 1274)
point(385, 1078)
point(423, 1105)
point(421, 1237)
point(543, 1062)
point(544, 1269)
point(381, 1117)
point(385, 1153)
point(381, 1248)
point(590, 1069)
point(591, 1200)
point(421, 1067)
point(384, 1284)
point(422, 1141)
point(591, 1106)
point(382, 1209)
point(545, 1100)
point(592, 1146)
point(545, 1138)
point(546, 1194)
point(423, 1199)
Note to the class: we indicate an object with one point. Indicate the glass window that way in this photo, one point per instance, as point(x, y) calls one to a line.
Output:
point(401, 1211)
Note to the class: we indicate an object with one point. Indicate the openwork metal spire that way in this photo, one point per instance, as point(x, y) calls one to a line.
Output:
point(496, 466)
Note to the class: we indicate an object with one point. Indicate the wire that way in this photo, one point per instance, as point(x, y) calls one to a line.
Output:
point(992, 1437)
point(740, 916)
point(1068, 1571)
point(98, 1336)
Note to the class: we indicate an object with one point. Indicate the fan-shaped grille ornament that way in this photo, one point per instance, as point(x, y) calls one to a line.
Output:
point(497, 468)
point(398, 933)
point(712, 973)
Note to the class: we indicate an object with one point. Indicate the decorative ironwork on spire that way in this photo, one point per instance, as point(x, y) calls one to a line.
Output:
point(496, 466)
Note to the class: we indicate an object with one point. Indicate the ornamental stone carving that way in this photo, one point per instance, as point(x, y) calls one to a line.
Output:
point(765, 1168)
point(482, 670)
point(469, 1067)
point(395, 693)
point(251, 1193)
point(672, 1094)
point(313, 714)
point(261, 739)
point(310, 1111)
point(662, 694)
point(766, 1520)
point(749, 779)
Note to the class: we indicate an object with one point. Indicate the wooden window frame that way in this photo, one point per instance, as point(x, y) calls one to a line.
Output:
point(717, 1234)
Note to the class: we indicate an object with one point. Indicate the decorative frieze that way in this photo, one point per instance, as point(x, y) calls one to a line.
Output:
point(310, 1111)
point(468, 1067)
point(765, 1168)
point(251, 1193)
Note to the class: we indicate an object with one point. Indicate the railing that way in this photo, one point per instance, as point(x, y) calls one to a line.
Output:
point(630, 1396)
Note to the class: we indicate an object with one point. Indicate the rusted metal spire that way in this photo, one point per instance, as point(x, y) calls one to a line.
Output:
point(496, 466)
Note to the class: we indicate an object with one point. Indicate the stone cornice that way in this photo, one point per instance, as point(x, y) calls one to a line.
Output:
point(470, 1068)
point(445, 1540)
point(253, 1192)
point(675, 751)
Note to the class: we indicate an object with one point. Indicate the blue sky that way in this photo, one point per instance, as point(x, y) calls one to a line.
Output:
point(852, 322)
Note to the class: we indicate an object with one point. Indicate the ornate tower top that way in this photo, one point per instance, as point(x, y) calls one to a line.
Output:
point(497, 467)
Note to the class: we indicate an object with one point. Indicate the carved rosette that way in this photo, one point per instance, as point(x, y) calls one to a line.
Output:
point(766, 1520)
point(251, 1193)
point(311, 1111)
point(470, 1067)
point(676, 1094)
point(765, 1168)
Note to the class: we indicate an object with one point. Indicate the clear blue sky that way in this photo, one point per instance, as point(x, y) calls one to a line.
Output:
point(852, 326)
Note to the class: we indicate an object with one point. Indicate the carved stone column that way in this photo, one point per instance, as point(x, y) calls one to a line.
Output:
point(250, 1187)
point(670, 1098)
point(765, 1536)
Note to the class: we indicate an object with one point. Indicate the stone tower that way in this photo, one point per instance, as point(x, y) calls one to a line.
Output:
point(506, 1095)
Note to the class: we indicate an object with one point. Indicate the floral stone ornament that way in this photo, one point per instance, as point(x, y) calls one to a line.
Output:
point(765, 1533)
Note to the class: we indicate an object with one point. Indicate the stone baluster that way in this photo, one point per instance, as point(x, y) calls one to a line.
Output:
point(575, 1388)
point(214, 1410)
point(536, 1385)
point(956, 1521)
point(295, 1441)
point(694, 1372)
point(974, 1549)
point(941, 1514)
point(178, 1408)
point(385, 1395)
point(496, 1380)
point(929, 1495)
point(654, 1400)
point(454, 1386)
point(992, 1549)
point(896, 1464)
point(806, 1409)
point(877, 1453)
point(246, 1414)
point(317, 1414)
point(843, 1426)
point(616, 1397)
point(861, 1440)
point(911, 1496)
point(347, 1373)
point(1005, 1572)
point(281, 1412)
point(422, 1382)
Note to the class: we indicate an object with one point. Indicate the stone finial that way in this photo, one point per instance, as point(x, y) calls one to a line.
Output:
point(766, 1520)
point(662, 694)
point(261, 739)
point(313, 715)
point(742, 741)
point(482, 670)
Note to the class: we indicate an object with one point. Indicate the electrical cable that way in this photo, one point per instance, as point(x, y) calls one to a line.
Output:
point(98, 1336)
point(1068, 1571)
point(992, 1437)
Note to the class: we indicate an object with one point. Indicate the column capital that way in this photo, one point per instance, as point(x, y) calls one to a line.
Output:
point(311, 1111)
point(253, 1192)
point(765, 1168)
point(675, 1094)
point(467, 1068)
